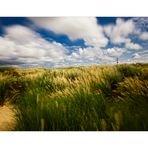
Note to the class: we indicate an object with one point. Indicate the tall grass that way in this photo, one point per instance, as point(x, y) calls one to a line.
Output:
point(79, 99)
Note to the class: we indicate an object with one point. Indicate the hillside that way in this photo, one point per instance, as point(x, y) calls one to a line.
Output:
point(95, 98)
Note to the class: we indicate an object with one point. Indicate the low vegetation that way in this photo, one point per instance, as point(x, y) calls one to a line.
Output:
point(95, 98)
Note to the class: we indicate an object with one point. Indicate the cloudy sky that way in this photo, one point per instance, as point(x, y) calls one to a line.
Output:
point(72, 41)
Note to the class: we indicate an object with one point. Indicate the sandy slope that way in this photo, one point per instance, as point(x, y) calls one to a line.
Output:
point(7, 118)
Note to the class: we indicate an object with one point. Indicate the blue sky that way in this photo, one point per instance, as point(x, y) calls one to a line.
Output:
point(72, 41)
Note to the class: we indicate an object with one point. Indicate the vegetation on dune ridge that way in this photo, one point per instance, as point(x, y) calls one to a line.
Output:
point(102, 98)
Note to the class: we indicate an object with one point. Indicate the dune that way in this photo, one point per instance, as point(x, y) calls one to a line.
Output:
point(7, 118)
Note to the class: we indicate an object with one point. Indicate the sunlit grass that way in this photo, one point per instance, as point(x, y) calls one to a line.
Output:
point(78, 99)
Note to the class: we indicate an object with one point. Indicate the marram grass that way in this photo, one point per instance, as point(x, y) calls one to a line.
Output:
point(96, 98)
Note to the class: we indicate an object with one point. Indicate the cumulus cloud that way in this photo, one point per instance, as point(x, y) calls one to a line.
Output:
point(119, 32)
point(140, 57)
point(136, 56)
point(85, 28)
point(22, 45)
point(94, 55)
point(86, 54)
point(144, 36)
point(115, 52)
point(131, 45)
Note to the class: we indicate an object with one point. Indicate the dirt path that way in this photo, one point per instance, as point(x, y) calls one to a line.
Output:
point(7, 118)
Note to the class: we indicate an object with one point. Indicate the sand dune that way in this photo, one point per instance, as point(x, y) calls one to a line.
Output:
point(7, 118)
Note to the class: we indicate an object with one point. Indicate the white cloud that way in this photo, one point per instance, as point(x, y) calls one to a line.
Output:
point(23, 45)
point(7, 47)
point(144, 36)
point(86, 54)
point(119, 32)
point(131, 45)
point(85, 28)
point(20, 34)
point(93, 55)
point(115, 52)
point(139, 58)
point(89, 52)
point(26, 46)
point(136, 56)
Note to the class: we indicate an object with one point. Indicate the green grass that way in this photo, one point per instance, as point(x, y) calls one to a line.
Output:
point(96, 98)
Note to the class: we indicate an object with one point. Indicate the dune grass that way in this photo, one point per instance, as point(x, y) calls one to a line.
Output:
point(95, 98)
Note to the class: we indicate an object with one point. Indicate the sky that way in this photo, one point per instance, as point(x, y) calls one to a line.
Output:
point(72, 41)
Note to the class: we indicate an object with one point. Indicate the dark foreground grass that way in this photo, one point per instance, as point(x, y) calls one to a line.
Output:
point(102, 98)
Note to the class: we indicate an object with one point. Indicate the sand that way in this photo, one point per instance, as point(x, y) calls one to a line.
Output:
point(7, 118)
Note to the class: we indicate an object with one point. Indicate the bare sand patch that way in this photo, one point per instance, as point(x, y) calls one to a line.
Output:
point(7, 118)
